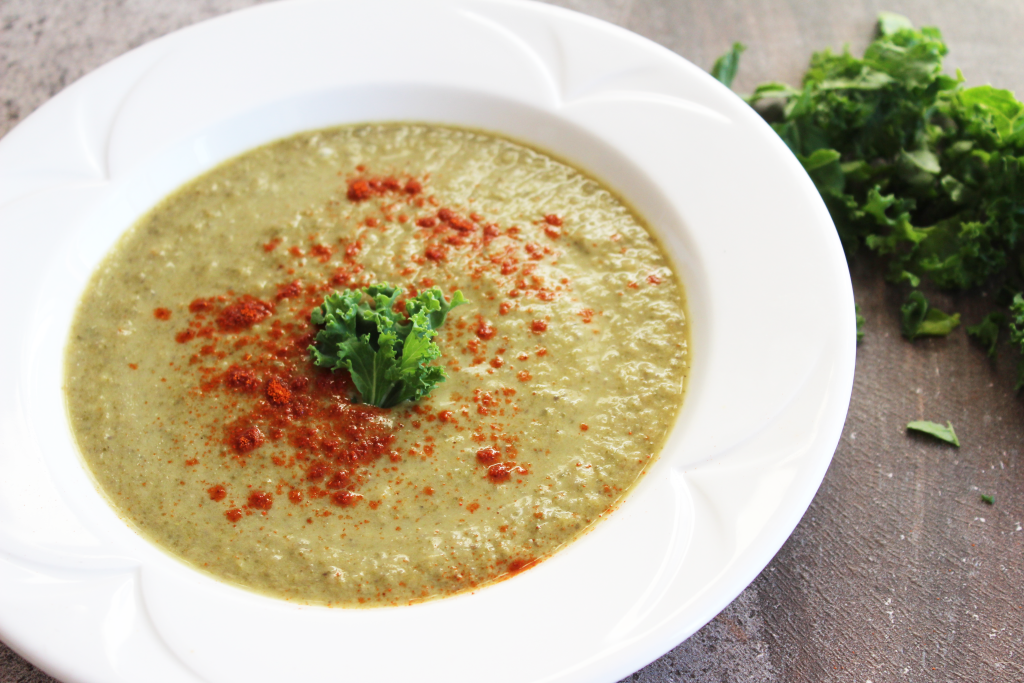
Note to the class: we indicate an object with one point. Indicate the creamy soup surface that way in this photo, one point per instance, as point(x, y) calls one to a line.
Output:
point(197, 408)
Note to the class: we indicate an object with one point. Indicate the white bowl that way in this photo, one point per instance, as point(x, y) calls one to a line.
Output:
point(769, 295)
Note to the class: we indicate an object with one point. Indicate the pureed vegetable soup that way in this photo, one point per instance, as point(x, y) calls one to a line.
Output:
point(197, 407)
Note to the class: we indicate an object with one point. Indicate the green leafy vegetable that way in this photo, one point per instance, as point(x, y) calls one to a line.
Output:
point(388, 354)
point(1017, 335)
point(889, 23)
point(726, 66)
point(988, 499)
point(938, 431)
point(987, 331)
point(921, 320)
point(914, 166)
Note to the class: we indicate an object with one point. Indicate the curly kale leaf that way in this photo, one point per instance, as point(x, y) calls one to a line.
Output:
point(912, 165)
point(1017, 335)
point(388, 354)
point(986, 332)
point(919, 319)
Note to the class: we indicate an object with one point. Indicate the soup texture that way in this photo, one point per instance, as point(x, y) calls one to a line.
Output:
point(196, 406)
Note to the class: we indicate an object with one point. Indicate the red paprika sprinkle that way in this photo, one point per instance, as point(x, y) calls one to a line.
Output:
point(344, 498)
point(584, 427)
point(553, 219)
point(502, 471)
point(233, 515)
point(455, 220)
point(488, 454)
point(339, 480)
point(654, 279)
point(317, 471)
point(289, 291)
point(295, 496)
point(436, 253)
point(358, 190)
point(243, 314)
point(242, 380)
point(518, 565)
point(185, 336)
point(247, 439)
point(485, 330)
point(261, 500)
point(322, 252)
point(162, 313)
point(524, 376)
point(217, 493)
point(200, 305)
point(277, 393)
point(413, 186)
point(538, 326)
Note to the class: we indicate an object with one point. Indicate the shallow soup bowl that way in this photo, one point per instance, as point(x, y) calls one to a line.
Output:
point(768, 294)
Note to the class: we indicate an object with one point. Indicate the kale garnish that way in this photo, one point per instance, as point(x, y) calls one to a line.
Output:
point(388, 354)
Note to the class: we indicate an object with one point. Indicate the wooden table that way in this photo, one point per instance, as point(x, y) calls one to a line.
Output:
point(898, 571)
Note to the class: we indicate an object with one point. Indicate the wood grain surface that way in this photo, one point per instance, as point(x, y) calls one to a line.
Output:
point(898, 571)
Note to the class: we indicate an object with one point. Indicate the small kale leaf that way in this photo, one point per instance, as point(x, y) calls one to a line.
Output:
point(936, 430)
point(727, 65)
point(986, 332)
point(388, 354)
point(921, 320)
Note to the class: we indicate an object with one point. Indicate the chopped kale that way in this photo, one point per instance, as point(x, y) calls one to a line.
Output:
point(914, 166)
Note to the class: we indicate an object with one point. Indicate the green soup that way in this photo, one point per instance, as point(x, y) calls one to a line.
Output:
point(204, 422)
